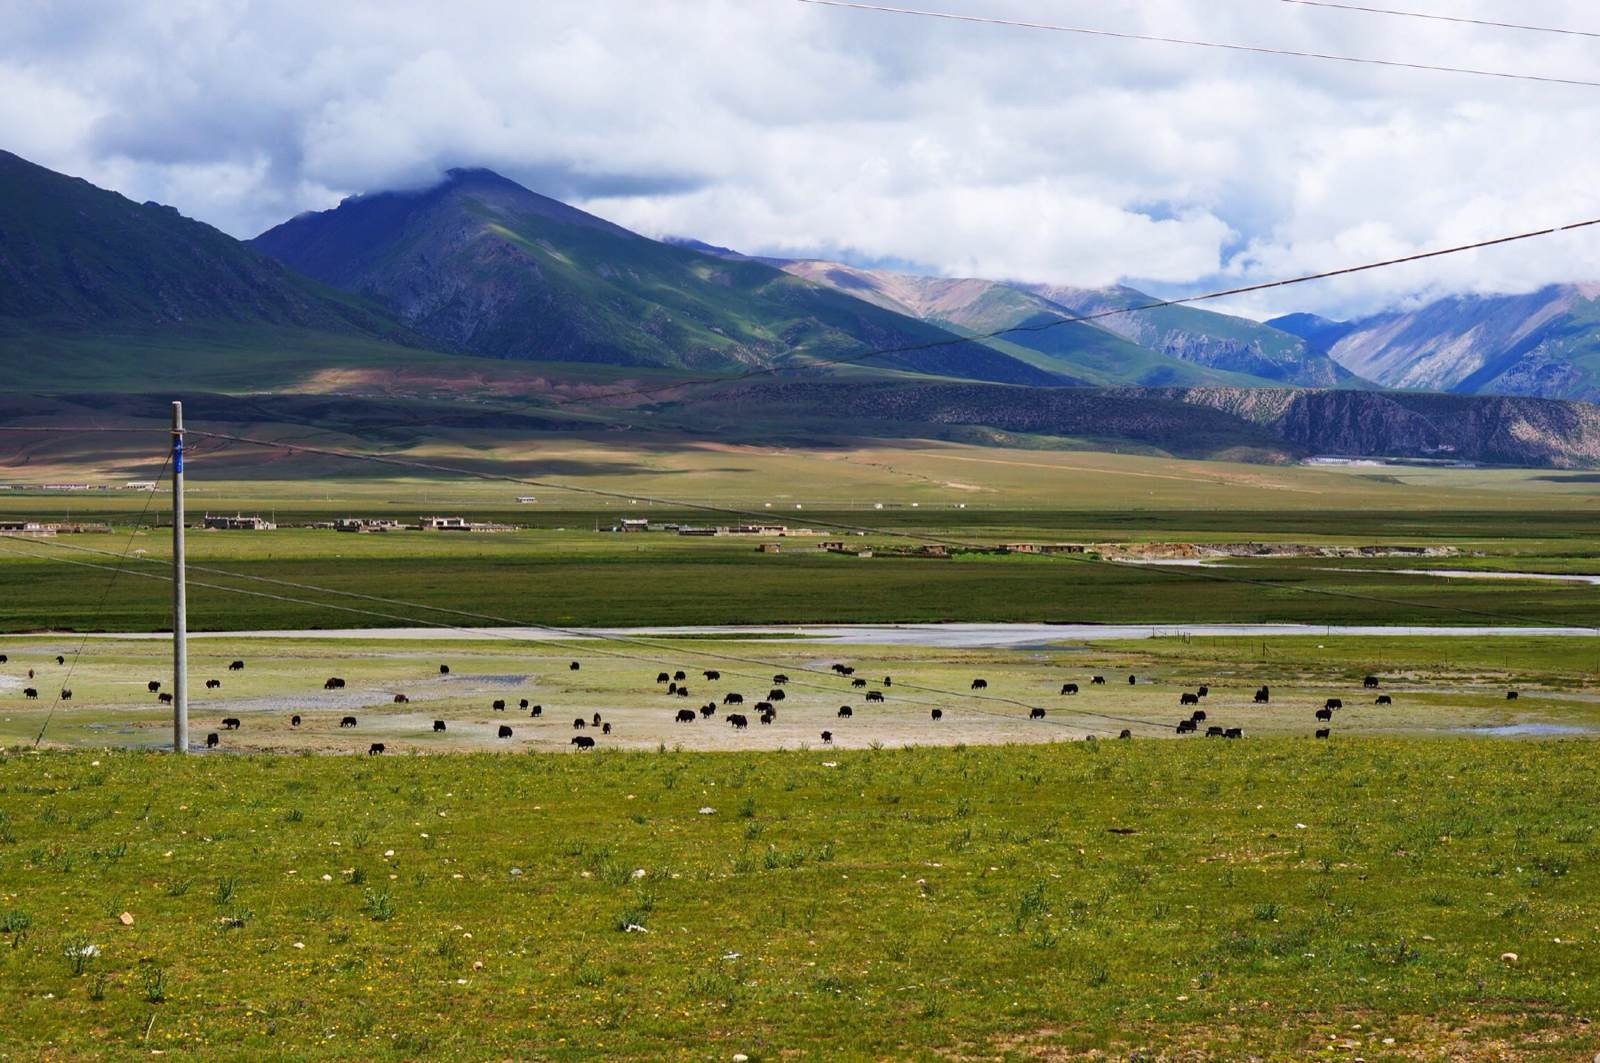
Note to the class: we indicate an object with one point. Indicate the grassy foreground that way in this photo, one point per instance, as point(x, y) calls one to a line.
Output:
point(1268, 898)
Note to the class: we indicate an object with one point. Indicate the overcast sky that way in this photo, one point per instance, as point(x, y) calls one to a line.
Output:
point(778, 128)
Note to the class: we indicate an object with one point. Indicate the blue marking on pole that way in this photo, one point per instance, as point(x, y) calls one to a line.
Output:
point(177, 454)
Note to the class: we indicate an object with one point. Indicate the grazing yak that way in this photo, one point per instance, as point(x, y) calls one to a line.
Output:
point(1197, 715)
point(597, 719)
point(827, 738)
point(444, 669)
point(230, 723)
point(1383, 699)
point(1370, 682)
point(708, 710)
point(294, 721)
point(66, 695)
point(1125, 733)
point(1511, 695)
point(1263, 696)
point(605, 728)
point(347, 721)
point(504, 732)
point(888, 681)
point(737, 721)
point(937, 714)
point(374, 749)
point(842, 669)
point(683, 692)
point(672, 688)
point(537, 710)
point(212, 740)
point(574, 666)
point(776, 694)
point(1204, 691)
point(1069, 688)
point(583, 742)
point(1233, 732)
point(1323, 732)
point(235, 666)
point(1215, 732)
point(680, 675)
point(1098, 681)
point(980, 684)
point(60, 659)
point(438, 725)
point(333, 683)
point(845, 711)
point(213, 684)
point(766, 718)
point(401, 699)
point(764, 706)
point(733, 699)
point(1325, 714)
point(498, 705)
point(1333, 703)
point(684, 716)
point(858, 682)
point(165, 699)
point(523, 704)
point(1188, 699)
point(152, 686)
point(662, 677)
point(1035, 714)
point(781, 679)
point(1132, 680)
point(874, 695)
point(712, 676)
point(30, 693)
point(1187, 727)
point(579, 724)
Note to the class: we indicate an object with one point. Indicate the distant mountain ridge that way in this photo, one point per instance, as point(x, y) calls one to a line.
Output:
point(486, 266)
point(1544, 343)
point(1166, 346)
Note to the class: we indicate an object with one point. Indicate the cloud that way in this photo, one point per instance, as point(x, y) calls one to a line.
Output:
point(780, 128)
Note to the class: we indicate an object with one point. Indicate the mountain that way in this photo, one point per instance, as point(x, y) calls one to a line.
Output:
point(1544, 343)
point(486, 266)
point(1204, 337)
point(1238, 424)
point(79, 259)
point(1168, 346)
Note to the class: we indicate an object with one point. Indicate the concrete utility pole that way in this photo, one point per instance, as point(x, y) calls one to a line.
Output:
point(180, 596)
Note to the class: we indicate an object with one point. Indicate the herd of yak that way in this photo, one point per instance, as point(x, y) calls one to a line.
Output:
point(766, 710)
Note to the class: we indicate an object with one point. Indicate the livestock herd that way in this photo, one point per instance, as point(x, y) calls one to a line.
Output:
point(675, 685)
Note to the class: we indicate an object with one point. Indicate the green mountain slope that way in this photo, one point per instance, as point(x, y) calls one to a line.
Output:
point(76, 258)
point(482, 264)
point(1174, 346)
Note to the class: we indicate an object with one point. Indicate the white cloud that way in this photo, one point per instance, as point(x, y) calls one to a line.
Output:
point(775, 127)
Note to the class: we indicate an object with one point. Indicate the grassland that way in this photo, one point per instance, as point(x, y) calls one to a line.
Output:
point(1269, 899)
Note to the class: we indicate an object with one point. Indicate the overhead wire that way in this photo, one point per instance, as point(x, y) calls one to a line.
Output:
point(1430, 16)
point(991, 20)
point(105, 596)
point(1070, 319)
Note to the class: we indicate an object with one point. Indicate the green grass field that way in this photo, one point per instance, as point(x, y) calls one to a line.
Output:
point(1265, 899)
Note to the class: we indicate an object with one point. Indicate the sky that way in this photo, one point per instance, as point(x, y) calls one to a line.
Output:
point(780, 128)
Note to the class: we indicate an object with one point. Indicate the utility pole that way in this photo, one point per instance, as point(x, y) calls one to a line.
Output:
point(180, 603)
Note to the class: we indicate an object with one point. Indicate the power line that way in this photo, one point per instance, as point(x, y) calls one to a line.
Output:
point(570, 632)
point(1430, 16)
point(1256, 49)
point(105, 595)
point(1195, 573)
point(1153, 304)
